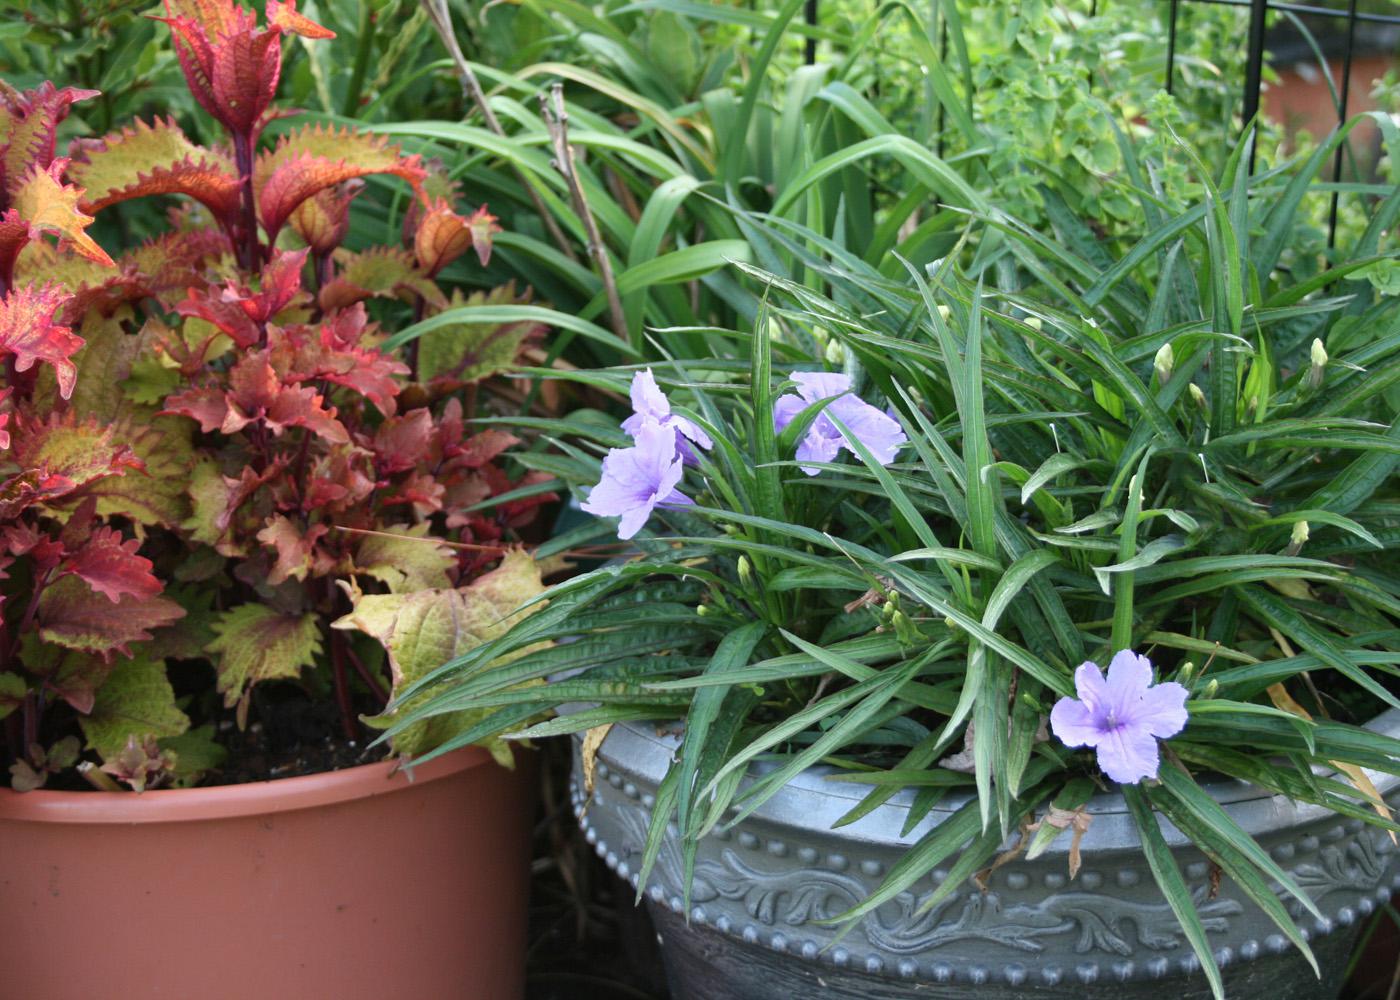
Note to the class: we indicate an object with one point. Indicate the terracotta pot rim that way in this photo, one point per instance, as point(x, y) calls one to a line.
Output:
point(182, 805)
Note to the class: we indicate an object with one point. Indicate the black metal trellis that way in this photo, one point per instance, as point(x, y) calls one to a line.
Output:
point(1259, 13)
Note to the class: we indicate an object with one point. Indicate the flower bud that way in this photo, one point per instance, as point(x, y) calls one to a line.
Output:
point(745, 571)
point(702, 610)
point(1197, 396)
point(1188, 671)
point(1163, 363)
point(820, 335)
point(944, 312)
point(835, 353)
point(1034, 323)
point(1318, 356)
point(1297, 538)
point(1211, 688)
point(775, 330)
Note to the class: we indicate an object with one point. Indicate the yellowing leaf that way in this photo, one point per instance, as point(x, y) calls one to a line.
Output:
point(257, 643)
point(1279, 695)
point(423, 630)
point(405, 559)
point(50, 206)
point(136, 701)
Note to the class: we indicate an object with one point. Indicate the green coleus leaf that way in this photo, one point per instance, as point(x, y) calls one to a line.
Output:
point(195, 753)
point(257, 643)
point(405, 559)
point(12, 689)
point(425, 629)
point(136, 701)
point(468, 352)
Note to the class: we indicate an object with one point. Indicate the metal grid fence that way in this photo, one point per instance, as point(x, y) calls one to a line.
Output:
point(1252, 85)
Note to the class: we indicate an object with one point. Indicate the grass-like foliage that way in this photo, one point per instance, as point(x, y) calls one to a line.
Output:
point(1186, 450)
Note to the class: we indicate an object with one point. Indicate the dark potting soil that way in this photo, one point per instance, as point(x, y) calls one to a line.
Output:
point(298, 739)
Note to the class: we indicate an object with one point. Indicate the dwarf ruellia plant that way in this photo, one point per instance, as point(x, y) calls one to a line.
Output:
point(293, 470)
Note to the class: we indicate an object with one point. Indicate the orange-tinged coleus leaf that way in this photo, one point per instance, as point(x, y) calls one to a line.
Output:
point(73, 615)
point(29, 123)
point(153, 159)
point(29, 331)
point(286, 17)
point(443, 236)
point(323, 219)
point(257, 393)
point(316, 157)
point(82, 451)
point(43, 204)
point(296, 550)
point(380, 272)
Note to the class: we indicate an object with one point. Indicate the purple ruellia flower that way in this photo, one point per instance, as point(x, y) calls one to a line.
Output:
point(650, 403)
point(1121, 717)
point(636, 480)
point(879, 432)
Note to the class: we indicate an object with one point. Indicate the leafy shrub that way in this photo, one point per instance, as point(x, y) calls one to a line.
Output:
point(230, 406)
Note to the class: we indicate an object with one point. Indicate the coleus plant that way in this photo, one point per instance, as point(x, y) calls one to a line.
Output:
point(225, 419)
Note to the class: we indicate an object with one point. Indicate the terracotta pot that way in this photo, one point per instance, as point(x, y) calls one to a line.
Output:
point(351, 884)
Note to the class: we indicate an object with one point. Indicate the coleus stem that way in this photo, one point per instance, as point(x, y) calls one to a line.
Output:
point(250, 253)
point(341, 681)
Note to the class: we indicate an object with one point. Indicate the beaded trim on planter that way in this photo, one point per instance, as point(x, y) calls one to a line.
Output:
point(784, 903)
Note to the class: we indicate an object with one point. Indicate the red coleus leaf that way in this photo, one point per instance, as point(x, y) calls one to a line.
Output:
point(315, 158)
point(479, 449)
point(31, 487)
point(43, 551)
point(29, 123)
point(332, 353)
point(231, 66)
point(400, 442)
point(443, 236)
point(28, 331)
point(73, 615)
point(257, 393)
point(241, 313)
point(339, 480)
point(109, 565)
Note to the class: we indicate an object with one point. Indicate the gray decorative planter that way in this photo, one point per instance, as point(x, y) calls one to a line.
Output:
point(760, 889)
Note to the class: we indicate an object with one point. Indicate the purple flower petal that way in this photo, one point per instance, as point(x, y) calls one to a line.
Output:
point(1129, 677)
point(650, 403)
point(1128, 754)
point(637, 480)
point(1073, 724)
point(881, 435)
point(1121, 716)
point(1162, 711)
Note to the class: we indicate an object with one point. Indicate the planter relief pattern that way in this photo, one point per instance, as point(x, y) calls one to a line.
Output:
point(762, 891)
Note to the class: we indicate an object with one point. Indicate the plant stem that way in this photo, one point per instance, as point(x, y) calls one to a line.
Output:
point(31, 711)
point(372, 682)
point(348, 724)
point(250, 252)
point(556, 120)
point(442, 23)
